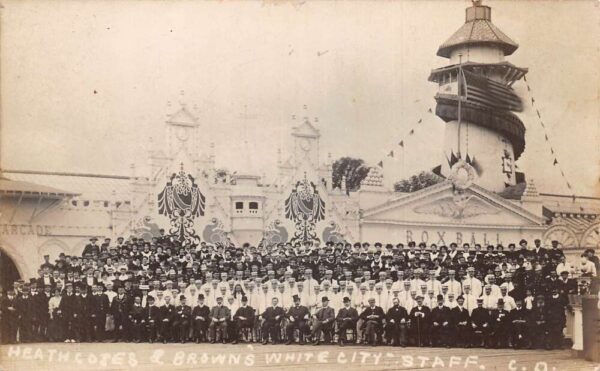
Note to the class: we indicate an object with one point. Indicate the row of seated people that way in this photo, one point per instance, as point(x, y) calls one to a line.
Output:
point(76, 316)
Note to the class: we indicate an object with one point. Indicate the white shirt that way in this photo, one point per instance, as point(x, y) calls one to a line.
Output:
point(490, 301)
point(509, 303)
point(454, 287)
point(475, 284)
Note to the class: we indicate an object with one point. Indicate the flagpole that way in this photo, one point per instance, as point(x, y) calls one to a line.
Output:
point(458, 80)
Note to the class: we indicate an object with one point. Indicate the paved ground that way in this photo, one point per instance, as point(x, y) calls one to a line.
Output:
point(276, 357)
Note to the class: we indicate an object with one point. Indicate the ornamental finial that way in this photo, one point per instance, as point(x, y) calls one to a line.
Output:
point(476, 2)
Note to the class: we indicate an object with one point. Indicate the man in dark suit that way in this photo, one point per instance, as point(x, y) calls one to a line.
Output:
point(181, 319)
point(271, 326)
point(297, 315)
point(481, 324)
point(461, 323)
point(120, 310)
point(10, 316)
point(555, 252)
point(27, 313)
point(43, 310)
point(167, 312)
point(566, 285)
point(67, 309)
point(440, 323)
point(91, 248)
point(519, 322)
point(46, 265)
point(137, 320)
point(539, 324)
point(243, 318)
point(556, 304)
point(83, 311)
point(151, 320)
point(500, 327)
point(419, 322)
point(538, 251)
point(99, 308)
point(373, 317)
point(346, 319)
point(219, 315)
point(200, 319)
point(38, 301)
point(395, 328)
point(324, 319)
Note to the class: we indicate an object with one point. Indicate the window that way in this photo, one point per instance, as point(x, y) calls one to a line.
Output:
point(253, 205)
point(239, 205)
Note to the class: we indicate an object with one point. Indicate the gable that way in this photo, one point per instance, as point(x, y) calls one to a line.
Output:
point(443, 204)
point(306, 129)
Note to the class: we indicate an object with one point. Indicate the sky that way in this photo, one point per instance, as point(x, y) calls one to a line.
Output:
point(86, 86)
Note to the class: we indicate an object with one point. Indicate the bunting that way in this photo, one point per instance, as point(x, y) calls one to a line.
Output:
point(401, 143)
point(546, 138)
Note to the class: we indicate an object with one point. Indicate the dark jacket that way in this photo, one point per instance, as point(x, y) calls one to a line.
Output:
point(167, 312)
point(120, 307)
point(271, 313)
point(67, 306)
point(201, 311)
point(420, 315)
point(183, 313)
point(136, 313)
point(377, 311)
point(397, 313)
point(347, 313)
point(459, 315)
point(480, 316)
point(152, 314)
point(441, 315)
point(246, 312)
point(325, 314)
point(500, 317)
point(100, 304)
point(298, 313)
point(220, 312)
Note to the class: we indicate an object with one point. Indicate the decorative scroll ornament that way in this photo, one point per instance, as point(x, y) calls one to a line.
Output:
point(462, 175)
point(146, 228)
point(305, 208)
point(276, 233)
point(459, 206)
point(181, 201)
point(333, 233)
point(214, 233)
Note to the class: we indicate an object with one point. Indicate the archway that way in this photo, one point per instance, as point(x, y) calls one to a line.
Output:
point(8, 271)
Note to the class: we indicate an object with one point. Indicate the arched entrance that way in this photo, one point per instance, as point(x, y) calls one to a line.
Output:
point(8, 271)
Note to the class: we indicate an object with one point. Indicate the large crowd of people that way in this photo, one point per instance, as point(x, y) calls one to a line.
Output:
point(415, 295)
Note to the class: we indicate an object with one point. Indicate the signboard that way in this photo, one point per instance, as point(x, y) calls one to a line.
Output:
point(24, 230)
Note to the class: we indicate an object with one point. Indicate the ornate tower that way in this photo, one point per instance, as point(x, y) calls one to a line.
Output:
point(306, 150)
point(476, 101)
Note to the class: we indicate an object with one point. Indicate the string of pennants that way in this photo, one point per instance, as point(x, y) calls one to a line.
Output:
point(546, 137)
point(401, 143)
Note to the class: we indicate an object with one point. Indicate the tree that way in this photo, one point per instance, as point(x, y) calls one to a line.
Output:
point(354, 169)
point(417, 182)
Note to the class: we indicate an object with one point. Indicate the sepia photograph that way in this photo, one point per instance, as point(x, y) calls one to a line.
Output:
point(291, 184)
